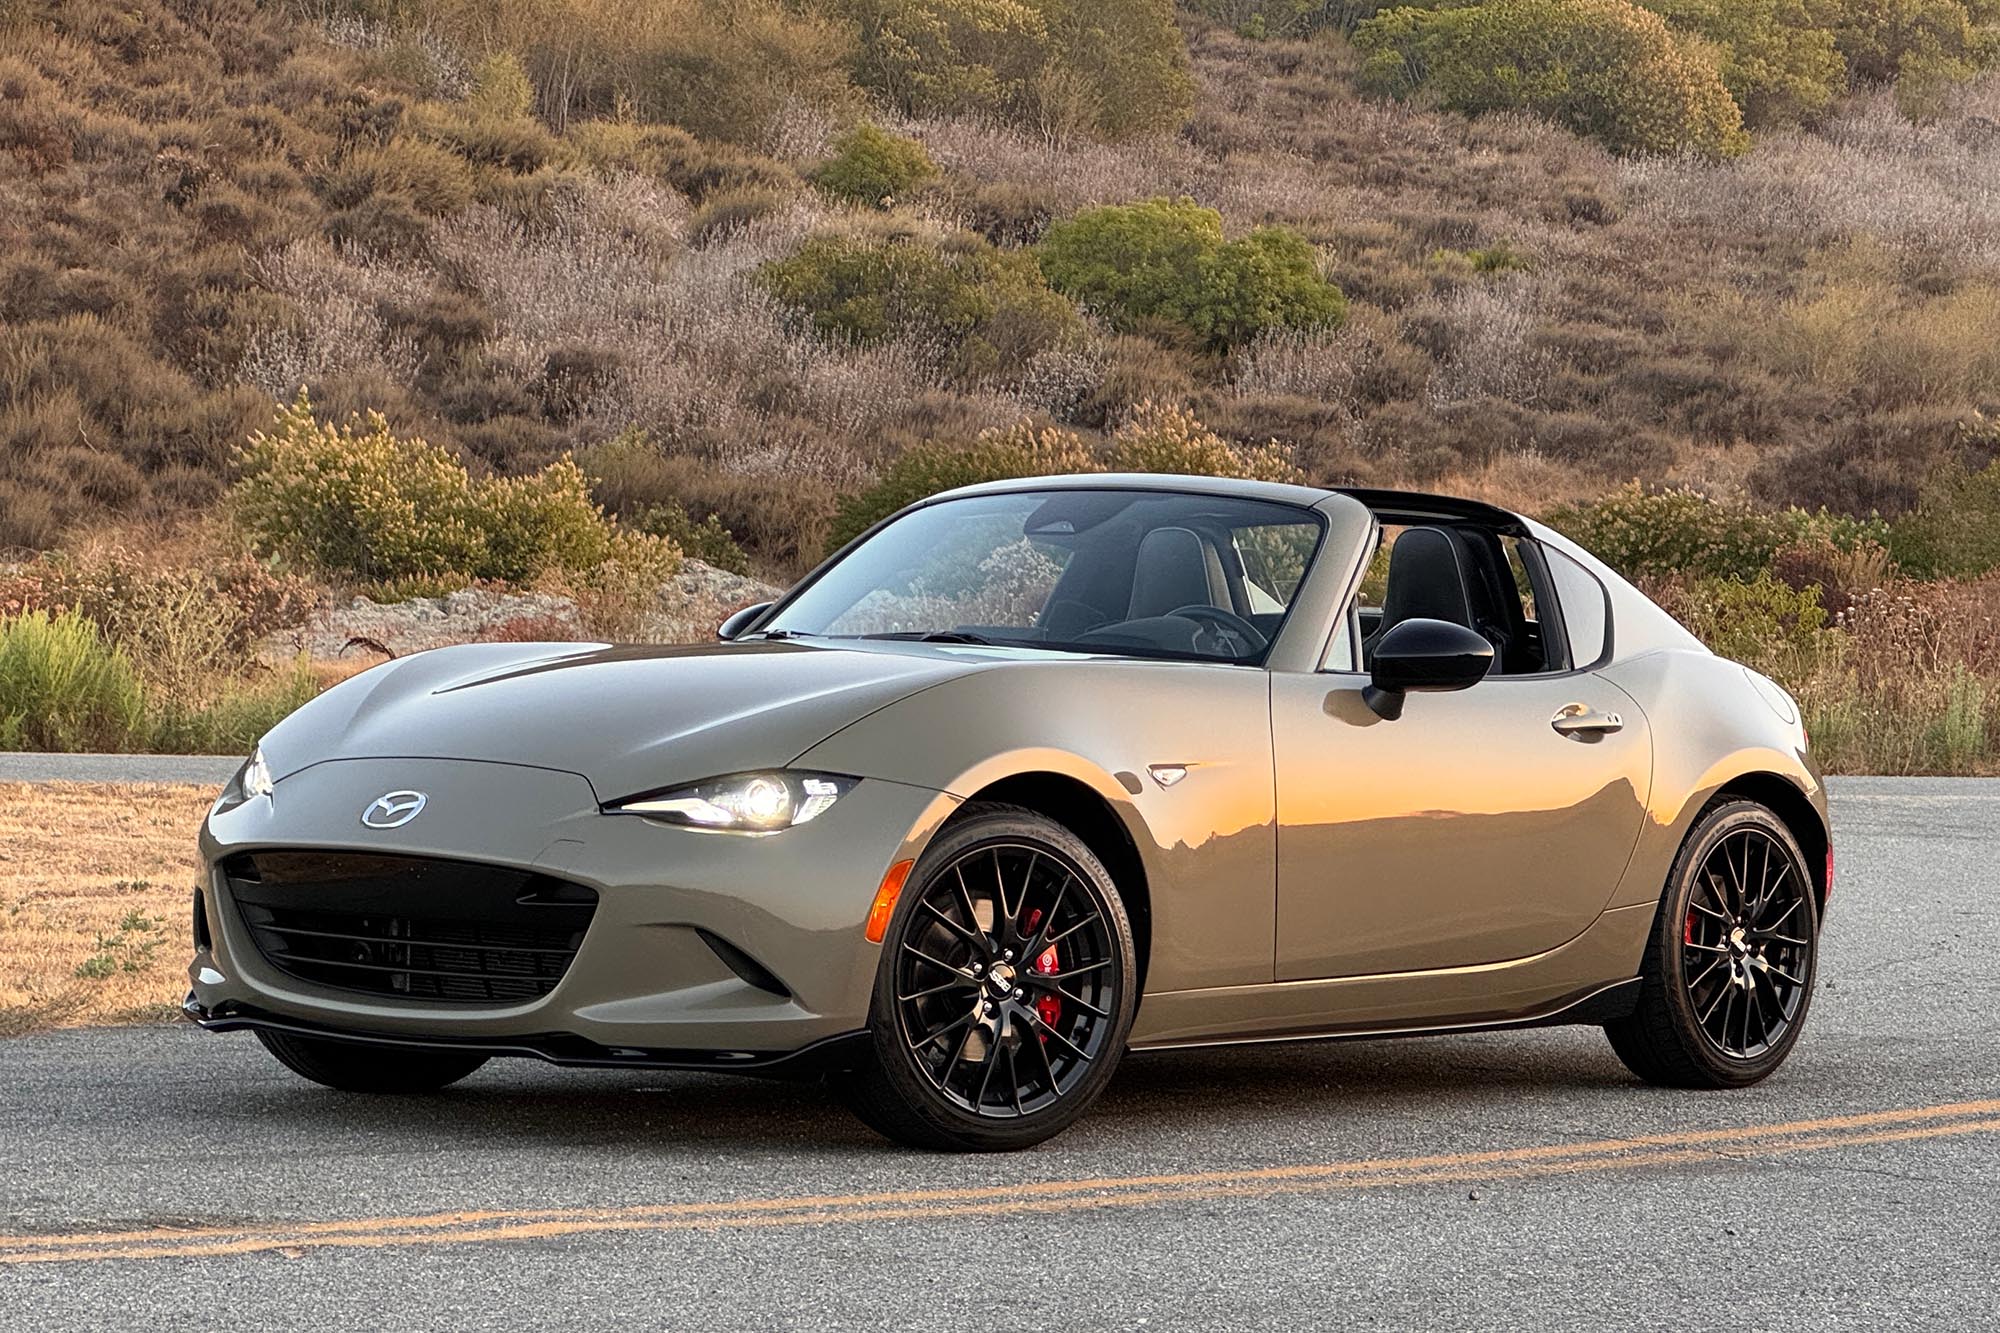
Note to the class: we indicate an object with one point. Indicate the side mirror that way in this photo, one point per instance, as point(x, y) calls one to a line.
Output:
point(1426, 655)
point(739, 621)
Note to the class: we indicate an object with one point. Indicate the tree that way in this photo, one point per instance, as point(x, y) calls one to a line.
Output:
point(1605, 68)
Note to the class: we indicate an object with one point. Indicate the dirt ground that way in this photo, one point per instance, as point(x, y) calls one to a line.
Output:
point(96, 882)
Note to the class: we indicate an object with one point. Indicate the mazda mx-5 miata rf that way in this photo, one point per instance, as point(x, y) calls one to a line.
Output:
point(1029, 775)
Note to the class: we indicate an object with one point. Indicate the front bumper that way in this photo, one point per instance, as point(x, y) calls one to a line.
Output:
point(647, 988)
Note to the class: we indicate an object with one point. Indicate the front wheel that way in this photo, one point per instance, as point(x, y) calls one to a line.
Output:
point(1729, 972)
point(1006, 990)
point(354, 1067)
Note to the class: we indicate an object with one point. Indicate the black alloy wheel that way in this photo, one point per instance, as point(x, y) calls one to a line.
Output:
point(1729, 973)
point(1746, 951)
point(1006, 989)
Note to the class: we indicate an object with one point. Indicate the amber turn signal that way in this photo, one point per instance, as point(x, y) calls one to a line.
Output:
point(885, 900)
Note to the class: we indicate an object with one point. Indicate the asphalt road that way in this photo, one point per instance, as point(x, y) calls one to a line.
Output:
point(166, 1178)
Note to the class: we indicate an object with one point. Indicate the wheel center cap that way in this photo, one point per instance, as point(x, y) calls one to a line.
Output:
point(1739, 941)
point(1000, 979)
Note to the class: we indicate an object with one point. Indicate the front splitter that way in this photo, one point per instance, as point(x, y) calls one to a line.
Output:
point(557, 1048)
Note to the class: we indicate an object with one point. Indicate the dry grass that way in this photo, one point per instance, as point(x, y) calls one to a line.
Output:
point(95, 884)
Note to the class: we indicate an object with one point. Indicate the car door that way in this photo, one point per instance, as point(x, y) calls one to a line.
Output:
point(1483, 825)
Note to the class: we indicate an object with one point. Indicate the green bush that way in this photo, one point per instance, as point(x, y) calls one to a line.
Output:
point(1918, 44)
point(1063, 67)
point(62, 687)
point(357, 501)
point(929, 468)
point(1167, 260)
point(707, 541)
point(873, 167)
point(236, 719)
point(1776, 57)
point(1761, 623)
point(1680, 533)
point(1955, 529)
point(992, 308)
point(1605, 68)
point(1112, 68)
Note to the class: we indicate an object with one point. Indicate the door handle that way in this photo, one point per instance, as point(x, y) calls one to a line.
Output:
point(1582, 721)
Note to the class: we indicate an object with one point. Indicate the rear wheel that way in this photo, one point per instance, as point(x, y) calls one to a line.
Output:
point(1006, 989)
point(354, 1067)
point(1728, 975)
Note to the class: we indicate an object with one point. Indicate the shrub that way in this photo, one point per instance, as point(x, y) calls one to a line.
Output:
point(991, 309)
point(1019, 451)
point(355, 500)
point(1925, 42)
point(700, 170)
point(1955, 528)
point(1167, 260)
point(1154, 438)
point(1762, 623)
point(1676, 533)
point(707, 541)
point(62, 687)
point(1775, 57)
point(1160, 438)
point(873, 167)
point(1604, 68)
point(1112, 68)
point(236, 718)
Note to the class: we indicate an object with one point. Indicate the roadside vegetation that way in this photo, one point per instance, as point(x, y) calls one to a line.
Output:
point(95, 883)
point(393, 297)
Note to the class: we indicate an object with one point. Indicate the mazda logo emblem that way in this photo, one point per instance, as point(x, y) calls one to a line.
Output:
point(394, 809)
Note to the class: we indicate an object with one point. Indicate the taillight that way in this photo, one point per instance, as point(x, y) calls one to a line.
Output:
point(1827, 892)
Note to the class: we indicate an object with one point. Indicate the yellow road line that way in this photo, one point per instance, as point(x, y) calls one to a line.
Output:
point(477, 1227)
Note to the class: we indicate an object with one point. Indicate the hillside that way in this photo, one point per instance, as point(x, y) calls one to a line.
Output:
point(760, 266)
point(210, 204)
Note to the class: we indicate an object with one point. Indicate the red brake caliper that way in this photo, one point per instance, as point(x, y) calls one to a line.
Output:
point(1048, 1008)
point(1687, 931)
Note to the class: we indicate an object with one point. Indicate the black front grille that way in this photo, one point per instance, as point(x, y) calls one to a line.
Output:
point(411, 927)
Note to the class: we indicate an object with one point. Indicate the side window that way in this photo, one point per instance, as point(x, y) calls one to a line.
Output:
point(1586, 611)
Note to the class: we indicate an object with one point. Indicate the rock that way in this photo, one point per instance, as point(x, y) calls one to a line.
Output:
point(694, 601)
point(687, 609)
point(467, 616)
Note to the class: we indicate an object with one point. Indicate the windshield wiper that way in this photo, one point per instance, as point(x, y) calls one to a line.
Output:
point(933, 636)
point(778, 635)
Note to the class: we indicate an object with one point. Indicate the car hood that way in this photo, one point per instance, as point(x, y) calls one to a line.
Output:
point(628, 719)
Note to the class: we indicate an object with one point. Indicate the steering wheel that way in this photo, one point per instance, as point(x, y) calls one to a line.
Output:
point(1231, 625)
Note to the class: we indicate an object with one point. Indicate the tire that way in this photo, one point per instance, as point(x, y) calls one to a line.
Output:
point(963, 1058)
point(355, 1067)
point(1729, 969)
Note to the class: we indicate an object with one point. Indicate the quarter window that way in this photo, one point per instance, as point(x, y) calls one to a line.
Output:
point(1586, 612)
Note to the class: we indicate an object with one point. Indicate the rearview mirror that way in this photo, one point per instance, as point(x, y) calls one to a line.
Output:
point(1423, 655)
point(742, 620)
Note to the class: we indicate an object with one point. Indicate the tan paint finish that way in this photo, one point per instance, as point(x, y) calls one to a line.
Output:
point(1317, 871)
point(1208, 842)
point(1467, 831)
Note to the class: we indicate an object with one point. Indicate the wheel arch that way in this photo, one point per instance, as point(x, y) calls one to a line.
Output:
point(1796, 812)
point(1084, 811)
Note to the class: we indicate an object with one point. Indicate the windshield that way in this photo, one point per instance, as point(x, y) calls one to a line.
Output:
point(1137, 573)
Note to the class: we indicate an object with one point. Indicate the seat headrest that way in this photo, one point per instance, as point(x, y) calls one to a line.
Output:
point(1175, 568)
point(1426, 580)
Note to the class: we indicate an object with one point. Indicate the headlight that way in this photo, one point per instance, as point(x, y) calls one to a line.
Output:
point(744, 803)
point(256, 779)
point(251, 781)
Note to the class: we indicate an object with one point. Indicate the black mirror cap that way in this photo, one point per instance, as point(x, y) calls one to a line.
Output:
point(740, 621)
point(1424, 655)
